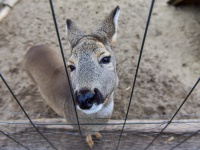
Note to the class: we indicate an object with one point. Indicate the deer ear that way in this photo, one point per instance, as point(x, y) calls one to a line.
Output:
point(107, 29)
point(73, 32)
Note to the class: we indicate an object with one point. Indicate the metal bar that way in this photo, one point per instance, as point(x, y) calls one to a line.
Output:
point(185, 140)
point(143, 117)
point(14, 140)
point(25, 111)
point(174, 114)
point(138, 64)
point(62, 53)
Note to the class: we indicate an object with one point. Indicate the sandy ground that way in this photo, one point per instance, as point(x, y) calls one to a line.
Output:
point(170, 63)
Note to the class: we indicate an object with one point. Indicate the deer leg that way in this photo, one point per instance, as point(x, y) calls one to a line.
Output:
point(97, 135)
point(89, 140)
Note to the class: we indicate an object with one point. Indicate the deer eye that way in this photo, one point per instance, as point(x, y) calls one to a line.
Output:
point(71, 67)
point(105, 60)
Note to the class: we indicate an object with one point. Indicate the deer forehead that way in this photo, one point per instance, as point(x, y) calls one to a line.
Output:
point(89, 48)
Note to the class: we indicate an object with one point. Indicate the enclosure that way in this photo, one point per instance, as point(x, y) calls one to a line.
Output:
point(169, 69)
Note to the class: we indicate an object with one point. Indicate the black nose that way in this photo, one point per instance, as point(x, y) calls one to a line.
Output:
point(85, 99)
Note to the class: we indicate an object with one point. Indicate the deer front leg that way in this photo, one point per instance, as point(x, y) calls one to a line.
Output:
point(89, 140)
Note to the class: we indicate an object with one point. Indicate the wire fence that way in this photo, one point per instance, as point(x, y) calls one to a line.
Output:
point(119, 134)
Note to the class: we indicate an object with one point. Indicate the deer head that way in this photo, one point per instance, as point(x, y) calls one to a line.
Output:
point(92, 64)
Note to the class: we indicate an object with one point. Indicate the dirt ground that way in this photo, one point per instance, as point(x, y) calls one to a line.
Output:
point(169, 68)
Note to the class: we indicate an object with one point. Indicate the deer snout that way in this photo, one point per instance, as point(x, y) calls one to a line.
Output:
point(86, 98)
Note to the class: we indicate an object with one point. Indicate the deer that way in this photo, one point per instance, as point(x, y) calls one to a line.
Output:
point(92, 72)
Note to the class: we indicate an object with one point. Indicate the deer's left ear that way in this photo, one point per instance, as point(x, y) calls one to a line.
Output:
point(73, 32)
point(107, 29)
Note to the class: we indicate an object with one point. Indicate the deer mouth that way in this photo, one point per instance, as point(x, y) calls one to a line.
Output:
point(89, 103)
point(88, 99)
point(94, 109)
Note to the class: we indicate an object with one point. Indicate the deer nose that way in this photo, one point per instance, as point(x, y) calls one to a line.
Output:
point(85, 99)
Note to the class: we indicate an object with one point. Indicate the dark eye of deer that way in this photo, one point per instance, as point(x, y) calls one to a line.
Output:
point(105, 60)
point(71, 67)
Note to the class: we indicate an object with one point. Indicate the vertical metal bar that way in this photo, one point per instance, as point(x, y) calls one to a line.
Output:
point(138, 64)
point(62, 53)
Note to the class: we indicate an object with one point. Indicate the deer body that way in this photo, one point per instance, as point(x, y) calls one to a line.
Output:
point(42, 61)
point(92, 68)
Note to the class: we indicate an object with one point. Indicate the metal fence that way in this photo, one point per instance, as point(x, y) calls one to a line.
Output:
point(119, 134)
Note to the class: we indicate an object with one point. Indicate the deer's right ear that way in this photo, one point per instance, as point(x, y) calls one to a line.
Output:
point(73, 32)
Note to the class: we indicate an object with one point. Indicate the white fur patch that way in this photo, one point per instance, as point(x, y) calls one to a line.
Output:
point(114, 37)
point(94, 109)
point(110, 107)
point(116, 25)
point(116, 17)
